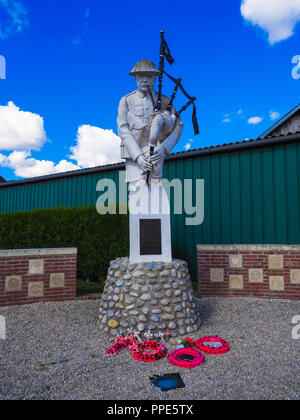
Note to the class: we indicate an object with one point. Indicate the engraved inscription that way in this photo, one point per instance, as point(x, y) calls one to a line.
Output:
point(13, 284)
point(36, 289)
point(256, 275)
point(236, 282)
point(57, 280)
point(36, 267)
point(277, 283)
point(217, 275)
point(275, 262)
point(295, 276)
point(236, 261)
point(150, 237)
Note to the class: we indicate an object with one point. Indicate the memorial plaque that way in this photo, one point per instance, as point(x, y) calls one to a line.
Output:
point(57, 280)
point(150, 237)
point(13, 284)
point(35, 289)
point(36, 267)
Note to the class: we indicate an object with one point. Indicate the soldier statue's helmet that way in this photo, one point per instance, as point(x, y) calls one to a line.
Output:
point(145, 67)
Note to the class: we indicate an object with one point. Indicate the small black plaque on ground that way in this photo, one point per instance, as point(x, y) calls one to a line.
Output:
point(168, 382)
point(150, 237)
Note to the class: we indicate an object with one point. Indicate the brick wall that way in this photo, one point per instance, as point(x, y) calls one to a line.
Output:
point(262, 271)
point(43, 275)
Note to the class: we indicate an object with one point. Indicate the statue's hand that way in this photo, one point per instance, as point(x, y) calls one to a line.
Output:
point(144, 164)
point(158, 156)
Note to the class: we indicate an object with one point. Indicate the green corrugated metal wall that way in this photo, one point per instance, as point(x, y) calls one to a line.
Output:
point(251, 196)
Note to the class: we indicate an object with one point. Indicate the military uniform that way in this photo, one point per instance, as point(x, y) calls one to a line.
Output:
point(135, 117)
point(136, 114)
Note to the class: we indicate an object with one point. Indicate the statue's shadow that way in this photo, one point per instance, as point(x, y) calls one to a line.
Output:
point(206, 308)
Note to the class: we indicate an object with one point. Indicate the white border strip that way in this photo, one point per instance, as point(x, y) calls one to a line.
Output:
point(37, 252)
point(248, 248)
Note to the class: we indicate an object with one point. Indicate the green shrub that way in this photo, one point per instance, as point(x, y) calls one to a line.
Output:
point(85, 288)
point(99, 239)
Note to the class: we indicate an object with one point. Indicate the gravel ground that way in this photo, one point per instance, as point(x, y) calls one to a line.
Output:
point(54, 351)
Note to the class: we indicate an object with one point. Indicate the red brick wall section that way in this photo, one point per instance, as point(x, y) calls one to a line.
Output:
point(31, 276)
point(261, 271)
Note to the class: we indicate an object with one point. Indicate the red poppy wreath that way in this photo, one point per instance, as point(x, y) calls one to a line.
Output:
point(212, 345)
point(121, 343)
point(159, 351)
point(187, 358)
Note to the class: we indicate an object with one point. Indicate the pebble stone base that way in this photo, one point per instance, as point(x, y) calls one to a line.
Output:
point(153, 297)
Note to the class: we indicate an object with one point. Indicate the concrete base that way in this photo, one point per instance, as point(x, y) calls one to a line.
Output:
point(149, 203)
point(155, 297)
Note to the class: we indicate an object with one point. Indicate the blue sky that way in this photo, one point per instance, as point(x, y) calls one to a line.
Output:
point(67, 66)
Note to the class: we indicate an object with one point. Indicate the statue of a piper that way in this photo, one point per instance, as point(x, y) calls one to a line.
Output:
point(149, 291)
point(141, 126)
point(148, 124)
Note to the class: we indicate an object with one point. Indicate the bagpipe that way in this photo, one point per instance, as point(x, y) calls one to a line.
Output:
point(165, 53)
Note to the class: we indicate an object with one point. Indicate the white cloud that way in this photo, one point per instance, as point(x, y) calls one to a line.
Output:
point(95, 147)
point(14, 19)
point(20, 130)
point(25, 166)
point(188, 145)
point(274, 115)
point(232, 116)
point(277, 17)
point(79, 38)
point(20, 133)
point(255, 120)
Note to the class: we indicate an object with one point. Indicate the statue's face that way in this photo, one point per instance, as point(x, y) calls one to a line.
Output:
point(145, 80)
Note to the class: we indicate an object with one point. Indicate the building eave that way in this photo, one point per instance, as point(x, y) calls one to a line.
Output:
point(280, 122)
point(212, 150)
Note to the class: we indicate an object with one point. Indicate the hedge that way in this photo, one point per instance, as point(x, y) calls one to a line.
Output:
point(99, 239)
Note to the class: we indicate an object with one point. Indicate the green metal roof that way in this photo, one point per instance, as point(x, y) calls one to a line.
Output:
point(219, 149)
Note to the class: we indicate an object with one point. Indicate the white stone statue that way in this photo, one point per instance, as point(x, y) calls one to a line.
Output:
point(141, 126)
point(134, 284)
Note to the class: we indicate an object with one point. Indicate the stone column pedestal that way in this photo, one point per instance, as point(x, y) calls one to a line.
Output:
point(149, 296)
